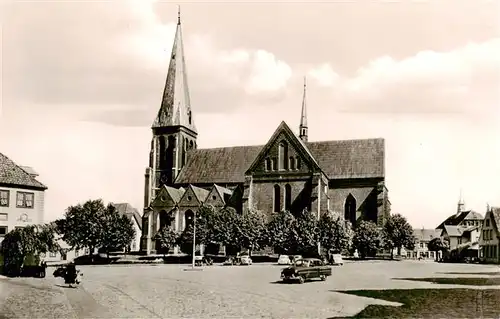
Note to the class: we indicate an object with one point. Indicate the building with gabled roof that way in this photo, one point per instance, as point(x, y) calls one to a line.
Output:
point(289, 172)
point(489, 242)
point(22, 196)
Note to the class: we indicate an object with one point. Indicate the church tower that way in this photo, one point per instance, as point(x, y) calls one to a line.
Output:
point(303, 117)
point(174, 131)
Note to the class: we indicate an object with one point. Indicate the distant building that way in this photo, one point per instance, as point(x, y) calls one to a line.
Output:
point(423, 236)
point(489, 241)
point(458, 236)
point(289, 172)
point(462, 230)
point(65, 254)
point(22, 196)
point(136, 219)
point(462, 218)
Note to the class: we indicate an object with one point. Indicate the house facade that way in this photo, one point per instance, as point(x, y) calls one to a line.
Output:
point(22, 196)
point(287, 173)
point(423, 236)
point(489, 241)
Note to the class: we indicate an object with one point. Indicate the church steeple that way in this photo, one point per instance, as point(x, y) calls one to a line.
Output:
point(175, 107)
point(174, 132)
point(303, 117)
point(460, 204)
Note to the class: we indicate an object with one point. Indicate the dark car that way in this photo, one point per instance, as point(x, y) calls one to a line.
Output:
point(306, 269)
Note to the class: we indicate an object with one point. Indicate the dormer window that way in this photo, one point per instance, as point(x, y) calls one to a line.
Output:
point(189, 117)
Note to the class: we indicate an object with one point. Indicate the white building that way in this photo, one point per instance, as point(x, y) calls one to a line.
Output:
point(22, 197)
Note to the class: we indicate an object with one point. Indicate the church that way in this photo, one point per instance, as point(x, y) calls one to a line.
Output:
point(288, 172)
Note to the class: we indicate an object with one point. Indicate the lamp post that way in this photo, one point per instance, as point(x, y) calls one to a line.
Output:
point(194, 240)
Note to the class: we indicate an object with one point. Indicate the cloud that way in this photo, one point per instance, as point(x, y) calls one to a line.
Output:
point(324, 75)
point(111, 54)
point(462, 81)
point(465, 80)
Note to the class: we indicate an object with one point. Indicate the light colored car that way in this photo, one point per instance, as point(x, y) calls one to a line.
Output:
point(245, 260)
point(337, 259)
point(284, 260)
point(293, 258)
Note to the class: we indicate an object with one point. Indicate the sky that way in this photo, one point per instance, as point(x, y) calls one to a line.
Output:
point(82, 82)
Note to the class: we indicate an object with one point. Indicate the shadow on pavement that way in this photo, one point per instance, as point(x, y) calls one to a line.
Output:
point(430, 303)
point(469, 281)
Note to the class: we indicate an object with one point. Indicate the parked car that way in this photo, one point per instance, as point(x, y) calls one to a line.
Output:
point(245, 260)
point(306, 269)
point(284, 260)
point(336, 259)
point(230, 260)
point(293, 258)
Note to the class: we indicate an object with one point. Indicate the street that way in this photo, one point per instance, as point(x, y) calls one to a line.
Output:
point(169, 291)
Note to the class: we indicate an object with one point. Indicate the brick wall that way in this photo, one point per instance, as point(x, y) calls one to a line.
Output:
point(263, 194)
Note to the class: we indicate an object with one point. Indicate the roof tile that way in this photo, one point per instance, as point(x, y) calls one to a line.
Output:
point(11, 173)
point(362, 158)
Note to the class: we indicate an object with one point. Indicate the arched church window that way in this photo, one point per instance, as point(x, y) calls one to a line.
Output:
point(283, 155)
point(268, 164)
point(189, 217)
point(277, 198)
point(273, 163)
point(191, 145)
point(292, 162)
point(288, 197)
point(350, 209)
point(298, 163)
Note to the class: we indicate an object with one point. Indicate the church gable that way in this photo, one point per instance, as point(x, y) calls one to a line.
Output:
point(283, 153)
point(168, 197)
point(218, 196)
point(193, 197)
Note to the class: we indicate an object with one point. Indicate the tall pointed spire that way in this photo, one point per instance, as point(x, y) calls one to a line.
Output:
point(175, 107)
point(461, 204)
point(303, 116)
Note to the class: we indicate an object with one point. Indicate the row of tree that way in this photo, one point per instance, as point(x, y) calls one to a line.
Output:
point(89, 225)
point(288, 233)
point(94, 225)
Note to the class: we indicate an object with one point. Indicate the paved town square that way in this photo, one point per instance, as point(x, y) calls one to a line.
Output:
point(169, 291)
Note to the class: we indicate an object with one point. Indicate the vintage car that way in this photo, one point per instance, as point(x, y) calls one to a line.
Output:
point(306, 269)
point(284, 260)
point(245, 260)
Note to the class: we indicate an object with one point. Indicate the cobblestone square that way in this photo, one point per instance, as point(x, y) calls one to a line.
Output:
point(168, 291)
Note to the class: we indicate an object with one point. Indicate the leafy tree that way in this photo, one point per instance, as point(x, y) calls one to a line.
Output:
point(167, 238)
point(305, 234)
point(367, 239)
point(83, 225)
point(251, 230)
point(21, 243)
point(280, 230)
point(334, 233)
point(438, 244)
point(117, 230)
point(224, 226)
point(205, 219)
point(397, 232)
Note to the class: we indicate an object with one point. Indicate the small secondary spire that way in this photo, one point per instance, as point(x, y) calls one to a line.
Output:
point(303, 116)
